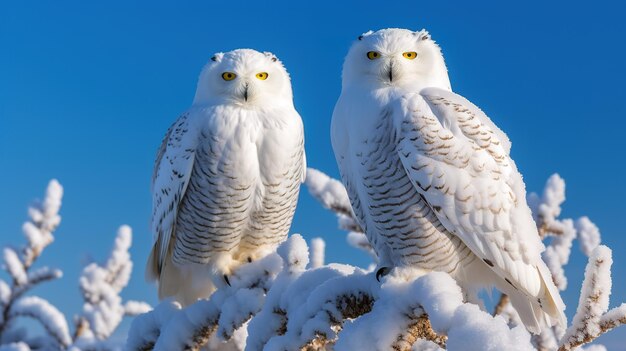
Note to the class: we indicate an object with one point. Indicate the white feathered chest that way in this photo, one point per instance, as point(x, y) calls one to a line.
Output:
point(398, 221)
point(243, 186)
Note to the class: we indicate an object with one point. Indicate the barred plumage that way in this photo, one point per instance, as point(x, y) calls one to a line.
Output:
point(430, 177)
point(397, 213)
point(227, 176)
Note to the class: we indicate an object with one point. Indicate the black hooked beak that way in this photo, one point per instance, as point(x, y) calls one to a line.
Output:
point(245, 92)
point(391, 72)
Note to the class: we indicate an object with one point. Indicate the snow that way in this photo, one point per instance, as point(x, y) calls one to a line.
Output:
point(317, 252)
point(146, 328)
point(170, 327)
point(14, 266)
point(294, 253)
point(134, 308)
point(438, 295)
point(119, 262)
point(45, 218)
point(49, 316)
point(52, 202)
point(473, 329)
point(330, 192)
point(553, 197)
point(425, 345)
point(5, 293)
point(101, 284)
point(594, 296)
point(314, 308)
point(17, 346)
point(270, 318)
point(615, 314)
point(43, 274)
point(34, 236)
point(291, 299)
point(558, 252)
point(588, 234)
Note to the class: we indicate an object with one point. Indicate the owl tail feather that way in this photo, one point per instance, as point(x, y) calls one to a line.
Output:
point(542, 311)
point(152, 267)
point(551, 301)
point(185, 285)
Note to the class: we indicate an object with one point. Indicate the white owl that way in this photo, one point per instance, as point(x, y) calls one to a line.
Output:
point(431, 179)
point(227, 175)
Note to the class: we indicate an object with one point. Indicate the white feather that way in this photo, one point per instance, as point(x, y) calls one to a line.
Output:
point(396, 108)
point(227, 175)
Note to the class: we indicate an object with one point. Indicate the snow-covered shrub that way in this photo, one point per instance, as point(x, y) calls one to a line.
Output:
point(100, 286)
point(284, 302)
point(292, 300)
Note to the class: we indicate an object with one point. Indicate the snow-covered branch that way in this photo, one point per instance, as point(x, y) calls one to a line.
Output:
point(170, 327)
point(333, 196)
point(318, 247)
point(559, 235)
point(332, 307)
point(592, 319)
point(49, 316)
point(329, 192)
point(429, 307)
point(100, 285)
point(44, 219)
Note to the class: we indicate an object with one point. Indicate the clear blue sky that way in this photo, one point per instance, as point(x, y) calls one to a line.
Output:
point(87, 90)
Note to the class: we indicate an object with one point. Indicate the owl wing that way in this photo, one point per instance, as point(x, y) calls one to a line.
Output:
point(458, 160)
point(172, 170)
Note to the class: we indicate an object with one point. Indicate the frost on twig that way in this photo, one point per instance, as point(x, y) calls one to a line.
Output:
point(588, 235)
point(330, 192)
point(592, 319)
point(282, 303)
point(100, 286)
point(333, 196)
point(546, 211)
point(170, 327)
point(558, 233)
point(431, 308)
point(317, 253)
point(50, 318)
point(317, 304)
point(44, 219)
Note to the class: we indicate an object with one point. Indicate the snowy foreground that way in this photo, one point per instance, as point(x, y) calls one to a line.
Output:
point(292, 300)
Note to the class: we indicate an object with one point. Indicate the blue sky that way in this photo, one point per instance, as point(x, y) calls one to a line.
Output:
point(87, 90)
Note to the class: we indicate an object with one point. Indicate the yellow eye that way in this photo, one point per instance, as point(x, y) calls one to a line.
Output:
point(373, 55)
point(262, 75)
point(228, 75)
point(410, 55)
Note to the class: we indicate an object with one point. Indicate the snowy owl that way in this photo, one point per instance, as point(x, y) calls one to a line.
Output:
point(227, 175)
point(430, 177)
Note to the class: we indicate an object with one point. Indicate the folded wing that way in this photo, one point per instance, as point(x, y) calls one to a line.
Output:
point(459, 161)
point(170, 179)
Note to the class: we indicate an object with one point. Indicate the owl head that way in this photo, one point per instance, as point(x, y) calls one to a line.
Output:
point(244, 77)
point(395, 57)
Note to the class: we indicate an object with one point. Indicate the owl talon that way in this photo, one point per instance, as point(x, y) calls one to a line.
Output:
point(383, 271)
point(226, 279)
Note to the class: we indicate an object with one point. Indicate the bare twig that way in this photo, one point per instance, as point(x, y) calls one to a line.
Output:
point(419, 328)
point(504, 300)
